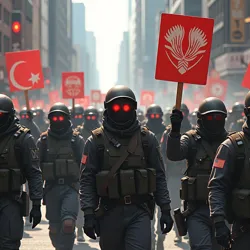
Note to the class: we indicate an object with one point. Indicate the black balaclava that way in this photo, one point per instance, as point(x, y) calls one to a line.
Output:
point(121, 113)
point(59, 122)
point(5, 121)
point(213, 124)
point(78, 119)
point(91, 121)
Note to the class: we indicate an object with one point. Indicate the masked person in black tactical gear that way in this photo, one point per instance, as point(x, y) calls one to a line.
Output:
point(77, 116)
point(100, 112)
point(40, 119)
point(198, 147)
point(121, 169)
point(154, 123)
point(18, 162)
point(229, 188)
point(60, 151)
point(26, 119)
point(90, 122)
point(237, 115)
point(175, 170)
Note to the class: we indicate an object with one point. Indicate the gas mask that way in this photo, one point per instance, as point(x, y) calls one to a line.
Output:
point(122, 112)
point(155, 119)
point(59, 122)
point(91, 121)
point(213, 123)
point(78, 119)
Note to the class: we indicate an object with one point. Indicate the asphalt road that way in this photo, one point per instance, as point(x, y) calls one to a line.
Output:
point(38, 239)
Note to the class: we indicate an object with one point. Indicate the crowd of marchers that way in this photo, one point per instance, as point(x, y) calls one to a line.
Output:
point(127, 177)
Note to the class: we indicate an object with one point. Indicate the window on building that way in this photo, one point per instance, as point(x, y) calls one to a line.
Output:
point(6, 44)
point(16, 4)
point(6, 17)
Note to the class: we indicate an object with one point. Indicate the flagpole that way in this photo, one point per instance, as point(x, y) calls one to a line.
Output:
point(26, 96)
point(179, 95)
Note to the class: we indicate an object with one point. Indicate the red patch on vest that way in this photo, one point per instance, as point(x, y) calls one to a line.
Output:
point(219, 163)
point(84, 159)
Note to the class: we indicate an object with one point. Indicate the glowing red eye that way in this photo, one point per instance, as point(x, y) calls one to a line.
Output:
point(54, 118)
point(152, 116)
point(79, 116)
point(209, 117)
point(218, 117)
point(116, 108)
point(61, 118)
point(126, 108)
point(76, 116)
point(93, 117)
point(157, 116)
point(27, 117)
point(88, 117)
point(23, 116)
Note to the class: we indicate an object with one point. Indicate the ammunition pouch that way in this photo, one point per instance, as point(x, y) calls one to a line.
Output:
point(25, 204)
point(10, 180)
point(194, 188)
point(61, 168)
point(241, 203)
point(126, 182)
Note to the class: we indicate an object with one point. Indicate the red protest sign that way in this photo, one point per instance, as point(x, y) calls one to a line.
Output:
point(246, 80)
point(147, 98)
point(216, 88)
point(84, 102)
point(72, 85)
point(184, 48)
point(96, 96)
point(24, 70)
point(103, 97)
point(198, 96)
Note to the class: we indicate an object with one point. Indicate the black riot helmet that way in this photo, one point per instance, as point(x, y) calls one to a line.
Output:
point(238, 107)
point(25, 114)
point(120, 91)
point(59, 108)
point(79, 109)
point(91, 118)
point(91, 111)
point(7, 112)
point(40, 113)
point(154, 110)
point(211, 115)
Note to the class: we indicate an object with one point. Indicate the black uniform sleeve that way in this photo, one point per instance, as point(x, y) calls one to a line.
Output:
point(31, 168)
point(80, 147)
point(221, 179)
point(177, 146)
point(155, 161)
point(89, 169)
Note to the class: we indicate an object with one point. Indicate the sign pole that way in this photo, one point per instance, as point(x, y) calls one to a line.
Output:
point(179, 95)
point(73, 107)
point(26, 96)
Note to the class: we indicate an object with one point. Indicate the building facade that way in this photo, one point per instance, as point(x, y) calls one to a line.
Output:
point(60, 39)
point(36, 19)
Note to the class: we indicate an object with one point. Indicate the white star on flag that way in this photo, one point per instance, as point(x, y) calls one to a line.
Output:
point(34, 78)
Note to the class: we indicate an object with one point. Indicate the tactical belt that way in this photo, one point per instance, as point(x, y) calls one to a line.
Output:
point(126, 200)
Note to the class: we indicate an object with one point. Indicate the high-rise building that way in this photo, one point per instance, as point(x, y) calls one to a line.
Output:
point(36, 19)
point(123, 64)
point(60, 38)
point(231, 41)
point(5, 41)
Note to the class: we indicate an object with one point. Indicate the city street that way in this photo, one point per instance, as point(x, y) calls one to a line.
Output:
point(38, 239)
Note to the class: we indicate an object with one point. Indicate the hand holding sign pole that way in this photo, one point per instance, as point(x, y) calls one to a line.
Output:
point(24, 72)
point(183, 50)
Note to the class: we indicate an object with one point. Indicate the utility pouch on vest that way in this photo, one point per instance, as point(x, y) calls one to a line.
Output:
point(113, 187)
point(188, 188)
point(184, 188)
point(4, 180)
point(127, 179)
point(25, 204)
point(61, 168)
point(241, 203)
point(141, 181)
point(201, 187)
point(15, 179)
point(73, 169)
point(101, 179)
point(48, 171)
point(151, 180)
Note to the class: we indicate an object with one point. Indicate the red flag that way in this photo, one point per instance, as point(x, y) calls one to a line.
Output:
point(24, 70)
point(96, 96)
point(216, 88)
point(72, 85)
point(147, 98)
point(246, 79)
point(184, 48)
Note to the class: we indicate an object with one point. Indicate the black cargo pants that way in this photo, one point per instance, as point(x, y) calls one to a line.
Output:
point(201, 231)
point(11, 224)
point(125, 227)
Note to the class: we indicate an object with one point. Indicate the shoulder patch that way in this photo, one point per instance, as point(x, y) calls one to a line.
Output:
point(84, 159)
point(219, 163)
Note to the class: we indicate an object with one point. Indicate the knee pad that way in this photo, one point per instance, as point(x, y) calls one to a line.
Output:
point(68, 226)
point(52, 230)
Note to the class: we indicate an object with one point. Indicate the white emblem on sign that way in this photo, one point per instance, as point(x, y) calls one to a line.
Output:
point(196, 40)
point(147, 98)
point(73, 85)
point(217, 89)
point(96, 96)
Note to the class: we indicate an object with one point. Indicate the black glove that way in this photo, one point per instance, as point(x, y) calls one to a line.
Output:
point(176, 118)
point(222, 234)
point(91, 226)
point(35, 215)
point(166, 222)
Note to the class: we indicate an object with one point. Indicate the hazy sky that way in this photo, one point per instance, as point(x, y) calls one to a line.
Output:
point(108, 19)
